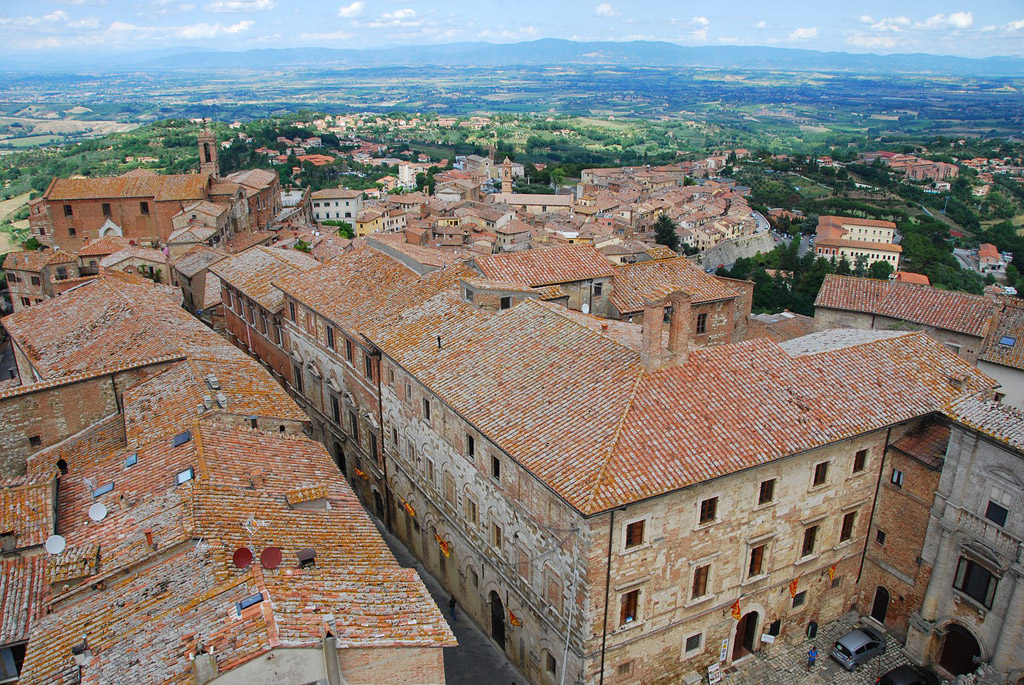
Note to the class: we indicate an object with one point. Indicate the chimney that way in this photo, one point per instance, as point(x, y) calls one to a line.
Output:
point(256, 477)
point(204, 667)
point(679, 329)
point(653, 353)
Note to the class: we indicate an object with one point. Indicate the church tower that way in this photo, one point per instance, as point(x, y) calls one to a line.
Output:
point(506, 176)
point(208, 154)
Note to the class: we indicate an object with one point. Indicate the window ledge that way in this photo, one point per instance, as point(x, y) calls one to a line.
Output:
point(753, 580)
point(807, 559)
point(961, 597)
point(631, 625)
point(705, 526)
point(626, 551)
point(699, 600)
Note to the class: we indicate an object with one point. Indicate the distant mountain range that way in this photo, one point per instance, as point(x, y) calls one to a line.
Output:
point(547, 51)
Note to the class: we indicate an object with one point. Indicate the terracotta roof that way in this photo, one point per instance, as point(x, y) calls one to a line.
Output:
point(108, 244)
point(192, 234)
point(546, 266)
point(998, 421)
point(196, 259)
point(257, 179)
point(36, 260)
point(779, 327)
point(840, 221)
point(949, 310)
point(532, 199)
point(336, 194)
point(634, 282)
point(134, 252)
point(204, 207)
point(160, 188)
point(856, 244)
point(988, 250)
point(23, 596)
point(927, 444)
point(916, 279)
point(26, 509)
point(1006, 344)
point(254, 271)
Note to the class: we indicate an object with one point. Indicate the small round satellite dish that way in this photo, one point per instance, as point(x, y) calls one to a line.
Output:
point(242, 557)
point(270, 558)
point(98, 511)
point(55, 544)
point(586, 308)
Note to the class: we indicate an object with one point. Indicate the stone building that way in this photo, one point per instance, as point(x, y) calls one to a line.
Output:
point(201, 290)
point(973, 609)
point(858, 240)
point(203, 538)
point(337, 204)
point(34, 276)
point(534, 459)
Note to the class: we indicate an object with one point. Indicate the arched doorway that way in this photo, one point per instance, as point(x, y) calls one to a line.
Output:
point(497, 620)
point(746, 633)
point(881, 605)
point(960, 651)
point(339, 458)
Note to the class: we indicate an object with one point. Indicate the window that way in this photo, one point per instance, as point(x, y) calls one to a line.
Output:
point(975, 581)
point(550, 664)
point(291, 312)
point(35, 280)
point(35, 441)
point(496, 468)
point(702, 323)
point(810, 535)
point(694, 642)
point(628, 605)
point(708, 509)
point(426, 409)
point(634, 534)
point(799, 599)
point(820, 473)
point(368, 366)
point(767, 493)
point(847, 530)
point(449, 488)
point(700, 581)
point(353, 426)
point(348, 350)
point(68, 211)
point(506, 302)
point(756, 565)
point(185, 476)
point(373, 447)
point(106, 209)
point(625, 668)
point(144, 208)
point(859, 460)
point(880, 537)
point(496, 536)
point(297, 377)
point(998, 509)
point(9, 662)
point(330, 337)
point(335, 410)
point(598, 289)
point(470, 445)
point(897, 478)
point(472, 515)
point(62, 273)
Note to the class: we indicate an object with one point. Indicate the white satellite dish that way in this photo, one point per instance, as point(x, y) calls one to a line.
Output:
point(98, 511)
point(586, 308)
point(55, 544)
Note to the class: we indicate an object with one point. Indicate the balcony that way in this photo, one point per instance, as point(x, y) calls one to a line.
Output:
point(989, 533)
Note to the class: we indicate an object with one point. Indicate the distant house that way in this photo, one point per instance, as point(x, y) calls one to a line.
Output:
point(857, 240)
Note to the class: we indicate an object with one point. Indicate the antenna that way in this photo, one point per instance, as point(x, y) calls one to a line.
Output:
point(55, 544)
point(98, 512)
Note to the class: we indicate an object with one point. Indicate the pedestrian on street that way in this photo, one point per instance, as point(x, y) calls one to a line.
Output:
point(812, 656)
point(451, 607)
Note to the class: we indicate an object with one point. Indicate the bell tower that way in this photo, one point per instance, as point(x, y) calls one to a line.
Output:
point(506, 176)
point(208, 154)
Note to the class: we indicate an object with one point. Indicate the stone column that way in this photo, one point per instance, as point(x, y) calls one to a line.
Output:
point(1007, 653)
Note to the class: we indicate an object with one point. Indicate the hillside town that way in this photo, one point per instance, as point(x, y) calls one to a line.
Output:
point(228, 398)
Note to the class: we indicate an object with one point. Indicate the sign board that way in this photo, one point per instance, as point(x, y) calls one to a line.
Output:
point(714, 674)
point(724, 651)
point(768, 638)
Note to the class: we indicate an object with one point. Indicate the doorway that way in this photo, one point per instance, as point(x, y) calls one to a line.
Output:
point(960, 651)
point(497, 620)
point(746, 631)
point(880, 607)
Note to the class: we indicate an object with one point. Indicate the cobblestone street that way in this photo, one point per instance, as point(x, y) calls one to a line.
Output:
point(782, 663)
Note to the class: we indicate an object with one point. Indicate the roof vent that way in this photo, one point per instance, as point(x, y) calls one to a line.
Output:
point(208, 403)
point(250, 601)
point(222, 400)
point(181, 439)
point(307, 557)
point(212, 381)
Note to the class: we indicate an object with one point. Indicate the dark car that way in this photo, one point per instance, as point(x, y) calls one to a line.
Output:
point(908, 675)
point(858, 646)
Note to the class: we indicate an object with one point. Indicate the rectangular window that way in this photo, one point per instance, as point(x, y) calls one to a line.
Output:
point(847, 530)
point(373, 446)
point(297, 377)
point(470, 446)
point(598, 289)
point(767, 493)
point(634, 534)
point(35, 280)
point(820, 473)
point(506, 302)
point(368, 366)
point(472, 515)
point(880, 537)
point(291, 312)
point(335, 410)
point(810, 535)
point(449, 488)
point(430, 472)
point(106, 209)
point(496, 535)
point(860, 460)
point(897, 478)
point(693, 642)
point(708, 510)
point(496, 468)
point(353, 426)
point(144, 208)
point(68, 211)
point(702, 323)
point(975, 581)
point(62, 273)
point(756, 566)
point(799, 599)
point(348, 350)
point(996, 513)
point(628, 605)
point(72, 232)
point(700, 581)
point(330, 337)
point(426, 409)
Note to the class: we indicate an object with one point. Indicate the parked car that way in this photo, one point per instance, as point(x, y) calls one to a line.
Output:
point(858, 646)
point(908, 675)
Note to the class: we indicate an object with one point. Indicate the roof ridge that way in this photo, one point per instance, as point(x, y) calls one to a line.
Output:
point(613, 443)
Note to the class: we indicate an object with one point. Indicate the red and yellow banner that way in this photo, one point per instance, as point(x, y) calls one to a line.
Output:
point(513, 619)
point(793, 586)
point(446, 548)
point(736, 613)
point(362, 475)
point(408, 509)
point(832, 572)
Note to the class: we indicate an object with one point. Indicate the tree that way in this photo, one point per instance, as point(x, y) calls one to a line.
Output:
point(665, 233)
point(880, 270)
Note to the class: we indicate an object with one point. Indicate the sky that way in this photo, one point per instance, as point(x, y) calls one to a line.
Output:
point(967, 28)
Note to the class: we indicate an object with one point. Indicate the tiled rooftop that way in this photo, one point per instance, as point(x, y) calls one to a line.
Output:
point(633, 283)
point(198, 258)
point(779, 327)
point(927, 444)
point(946, 309)
point(159, 187)
point(1006, 344)
point(546, 266)
point(35, 260)
point(254, 271)
point(999, 421)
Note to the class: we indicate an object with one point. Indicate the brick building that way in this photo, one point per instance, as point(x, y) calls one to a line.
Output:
point(203, 538)
point(36, 276)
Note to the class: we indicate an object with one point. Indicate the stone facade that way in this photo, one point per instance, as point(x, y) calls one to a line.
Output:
point(965, 345)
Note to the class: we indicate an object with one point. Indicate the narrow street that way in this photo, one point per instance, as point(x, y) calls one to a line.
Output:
point(476, 659)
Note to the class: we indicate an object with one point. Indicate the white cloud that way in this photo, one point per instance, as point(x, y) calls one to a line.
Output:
point(961, 20)
point(203, 30)
point(866, 19)
point(894, 24)
point(241, 5)
point(804, 33)
point(761, 24)
point(606, 10)
point(957, 20)
point(353, 10)
point(702, 21)
point(399, 15)
point(1015, 25)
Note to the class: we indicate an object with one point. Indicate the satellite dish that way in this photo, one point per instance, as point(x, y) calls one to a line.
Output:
point(55, 544)
point(270, 558)
point(242, 557)
point(98, 512)
point(586, 308)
